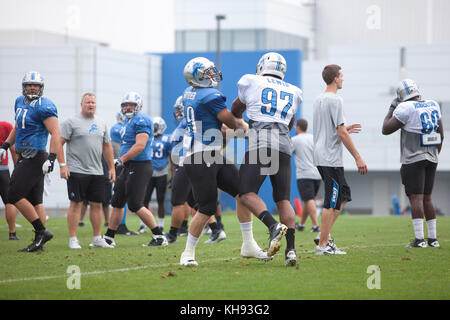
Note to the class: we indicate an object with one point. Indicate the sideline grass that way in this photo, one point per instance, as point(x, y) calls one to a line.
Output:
point(134, 272)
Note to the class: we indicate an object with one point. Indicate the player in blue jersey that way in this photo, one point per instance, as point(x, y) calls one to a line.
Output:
point(207, 169)
point(135, 157)
point(161, 147)
point(36, 117)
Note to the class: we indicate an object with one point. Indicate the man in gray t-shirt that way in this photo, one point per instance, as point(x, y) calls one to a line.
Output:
point(308, 177)
point(330, 133)
point(86, 137)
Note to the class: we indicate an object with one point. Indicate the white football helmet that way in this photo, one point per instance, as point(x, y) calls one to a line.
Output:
point(272, 63)
point(159, 126)
point(200, 72)
point(33, 77)
point(119, 116)
point(407, 89)
point(132, 97)
point(178, 113)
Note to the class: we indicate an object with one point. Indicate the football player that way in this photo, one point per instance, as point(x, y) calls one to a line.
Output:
point(36, 117)
point(422, 134)
point(271, 104)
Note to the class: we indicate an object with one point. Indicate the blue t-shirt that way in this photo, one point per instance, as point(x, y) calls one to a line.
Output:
point(115, 132)
point(31, 132)
point(140, 123)
point(161, 149)
point(201, 107)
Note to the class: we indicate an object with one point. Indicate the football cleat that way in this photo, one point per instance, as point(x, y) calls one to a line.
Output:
point(183, 231)
point(433, 243)
point(81, 224)
point(40, 238)
point(315, 229)
point(252, 250)
point(13, 236)
point(291, 258)
point(327, 250)
point(157, 241)
point(142, 229)
point(73, 244)
point(171, 238)
point(299, 227)
point(417, 243)
point(122, 229)
point(110, 241)
point(277, 231)
point(217, 236)
point(101, 244)
point(188, 259)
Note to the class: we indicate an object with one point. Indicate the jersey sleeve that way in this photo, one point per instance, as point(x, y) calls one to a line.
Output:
point(47, 110)
point(401, 113)
point(243, 84)
point(144, 125)
point(337, 112)
point(215, 103)
point(66, 129)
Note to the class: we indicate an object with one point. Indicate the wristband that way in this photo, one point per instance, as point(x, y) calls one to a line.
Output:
point(62, 165)
point(6, 145)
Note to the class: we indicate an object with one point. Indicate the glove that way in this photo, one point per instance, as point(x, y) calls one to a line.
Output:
point(47, 167)
point(4, 151)
point(118, 163)
point(395, 103)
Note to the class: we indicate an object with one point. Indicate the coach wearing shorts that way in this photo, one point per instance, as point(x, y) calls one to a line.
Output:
point(86, 137)
point(308, 178)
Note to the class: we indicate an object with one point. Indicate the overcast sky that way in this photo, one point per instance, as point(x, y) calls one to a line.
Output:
point(130, 25)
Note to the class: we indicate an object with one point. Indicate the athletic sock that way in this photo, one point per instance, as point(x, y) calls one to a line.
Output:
point(157, 231)
point(97, 238)
point(191, 243)
point(173, 231)
point(247, 231)
point(267, 219)
point(73, 238)
point(161, 223)
point(184, 223)
point(110, 233)
point(418, 228)
point(290, 239)
point(37, 225)
point(431, 226)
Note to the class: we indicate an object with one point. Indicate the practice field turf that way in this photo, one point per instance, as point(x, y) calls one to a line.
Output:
point(131, 271)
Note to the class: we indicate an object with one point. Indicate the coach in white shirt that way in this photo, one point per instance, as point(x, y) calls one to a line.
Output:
point(308, 177)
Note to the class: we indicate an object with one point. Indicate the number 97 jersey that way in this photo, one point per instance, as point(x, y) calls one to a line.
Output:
point(269, 99)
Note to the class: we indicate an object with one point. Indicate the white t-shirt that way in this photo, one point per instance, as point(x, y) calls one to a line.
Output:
point(304, 157)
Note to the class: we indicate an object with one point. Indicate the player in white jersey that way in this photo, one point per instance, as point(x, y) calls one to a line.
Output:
point(421, 142)
point(271, 105)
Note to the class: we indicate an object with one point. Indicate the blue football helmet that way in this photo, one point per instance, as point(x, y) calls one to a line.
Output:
point(159, 126)
point(33, 77)
point(200, 72)
point(178, 113)
point(131, 97)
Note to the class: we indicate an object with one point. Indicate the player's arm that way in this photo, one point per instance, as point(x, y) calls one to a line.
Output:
point(14, 156)
point(441, 131)
point(391, 123)
point(9, 143)
point(64, 172)
point(238, 108)
point(136, 148)
point(108, 154)
point(348, 143)
point(291, 124)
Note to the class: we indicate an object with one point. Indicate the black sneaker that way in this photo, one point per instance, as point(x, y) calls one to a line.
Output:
point(277, 231)
point(106, 224)
point(433, 243)
point(159, 240)
point(171, 238)
point(299, 227)
point(183, 231)
point(81, 224)
point(122, 229)
point(417, 243)
point(217, 236)
point(315, 229)
point(13, 236)
point(40, 238)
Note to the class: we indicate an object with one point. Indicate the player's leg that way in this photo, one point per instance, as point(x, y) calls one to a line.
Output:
point(117, 203)
point(83, 210)
point(161, 187)
point(10, 210)
point(75, 184)
point(96, 196)
point(428, 206)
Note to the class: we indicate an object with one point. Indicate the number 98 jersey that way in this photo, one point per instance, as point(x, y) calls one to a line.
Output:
point(269, 99)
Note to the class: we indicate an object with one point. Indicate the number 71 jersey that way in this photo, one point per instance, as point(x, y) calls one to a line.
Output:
point(269, 99)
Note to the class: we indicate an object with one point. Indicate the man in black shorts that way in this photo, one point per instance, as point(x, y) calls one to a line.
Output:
point(421, 142)
point(330, 134)
point(87, 138)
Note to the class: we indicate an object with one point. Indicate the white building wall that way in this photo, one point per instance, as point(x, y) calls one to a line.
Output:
point(69, 72)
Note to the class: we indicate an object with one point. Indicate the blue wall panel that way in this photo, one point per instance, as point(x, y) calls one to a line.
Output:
point(233, 66)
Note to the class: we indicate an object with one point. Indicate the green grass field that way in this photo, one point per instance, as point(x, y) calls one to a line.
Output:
point(131, 271)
